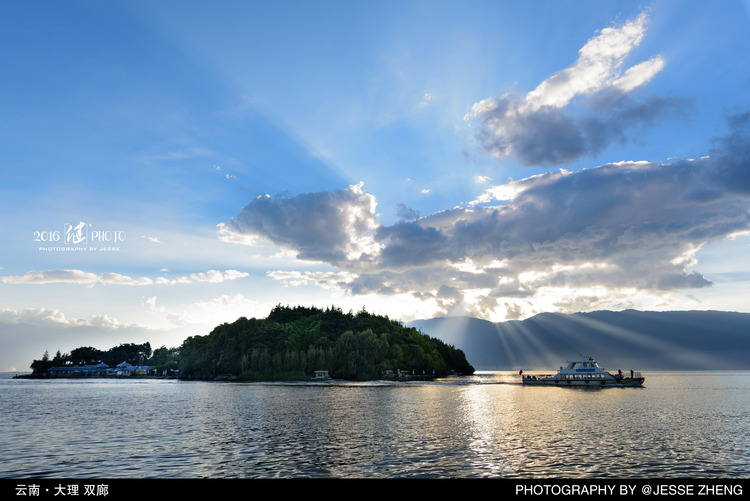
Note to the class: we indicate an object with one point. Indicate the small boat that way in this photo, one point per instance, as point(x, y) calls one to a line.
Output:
point(584, 372)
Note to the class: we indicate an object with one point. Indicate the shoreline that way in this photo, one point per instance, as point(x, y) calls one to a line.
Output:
point(44, 376)
point(216, 379)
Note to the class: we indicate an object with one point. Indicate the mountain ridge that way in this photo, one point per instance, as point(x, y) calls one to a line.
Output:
point(637, 339)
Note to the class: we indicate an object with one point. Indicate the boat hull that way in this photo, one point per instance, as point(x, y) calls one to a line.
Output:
point(585, 383)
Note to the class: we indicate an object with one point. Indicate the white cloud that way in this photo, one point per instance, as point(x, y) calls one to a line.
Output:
point(69, 276)
point(639, 74)
point(74, 277)
point(326, 280)
point(427, 99)
point(547, 126)
point(597, 68)
point(46, 317)
point(172, 281)
point(210, 276)
point(215, 276)
point(151, 304)
point(217, 310)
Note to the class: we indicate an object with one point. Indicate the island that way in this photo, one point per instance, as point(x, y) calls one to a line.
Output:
point(291, 343)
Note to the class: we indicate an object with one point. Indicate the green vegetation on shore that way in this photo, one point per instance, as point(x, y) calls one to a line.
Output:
point(135, 354)
point(291, 344)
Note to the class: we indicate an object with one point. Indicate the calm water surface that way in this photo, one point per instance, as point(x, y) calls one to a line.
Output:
point(679, 425)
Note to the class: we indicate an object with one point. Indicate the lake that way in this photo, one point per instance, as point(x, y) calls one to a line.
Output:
point(679, 425)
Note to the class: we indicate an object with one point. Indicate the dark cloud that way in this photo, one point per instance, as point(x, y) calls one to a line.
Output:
point(550, 136)
point(324, 226)
point(407, 213)
point(544, 137)
point(619, 116)
point(400, 240)
point(732, 155)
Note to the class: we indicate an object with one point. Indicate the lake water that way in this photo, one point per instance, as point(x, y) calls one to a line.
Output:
point(679, 425)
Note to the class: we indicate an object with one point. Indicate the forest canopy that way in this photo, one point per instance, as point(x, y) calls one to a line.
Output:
point(290, 344)
point(294, 342)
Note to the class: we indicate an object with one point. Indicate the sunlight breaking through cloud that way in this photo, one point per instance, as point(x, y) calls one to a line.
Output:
point(567, 241)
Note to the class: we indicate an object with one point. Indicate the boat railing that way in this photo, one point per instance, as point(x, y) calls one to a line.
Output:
point(537, 376)
point(626, 375)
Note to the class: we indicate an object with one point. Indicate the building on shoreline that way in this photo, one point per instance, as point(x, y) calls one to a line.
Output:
point(100, 370)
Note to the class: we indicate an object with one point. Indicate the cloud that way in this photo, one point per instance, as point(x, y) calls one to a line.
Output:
point(327, 280)
point(580, 110)
point(80, 277)
point(74, 277)
point(407, 213)
point(622, 228)
point(427, 99)
point(215, 276)
point(732, 155)
point(597, 68)
point(27, 333)
point(151, 303)
point(46, 317)
point(218, 310)
point(332, 227)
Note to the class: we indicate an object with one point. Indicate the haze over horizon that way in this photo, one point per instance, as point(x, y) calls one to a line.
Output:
point(172, 166)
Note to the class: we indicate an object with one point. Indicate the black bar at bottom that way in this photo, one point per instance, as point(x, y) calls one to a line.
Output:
point(249, 488)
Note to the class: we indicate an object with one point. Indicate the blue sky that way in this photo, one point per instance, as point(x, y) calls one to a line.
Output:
point(494, 159)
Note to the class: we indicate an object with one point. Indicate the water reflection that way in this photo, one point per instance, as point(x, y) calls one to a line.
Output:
point(495, 444)
point(484, 426)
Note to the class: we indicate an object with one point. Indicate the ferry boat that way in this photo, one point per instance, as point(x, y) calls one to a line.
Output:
point(584, 372)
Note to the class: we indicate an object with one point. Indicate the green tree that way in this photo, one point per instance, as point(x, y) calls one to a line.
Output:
point(85, 355)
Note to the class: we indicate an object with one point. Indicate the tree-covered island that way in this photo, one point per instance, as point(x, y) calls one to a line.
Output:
point(290, 344)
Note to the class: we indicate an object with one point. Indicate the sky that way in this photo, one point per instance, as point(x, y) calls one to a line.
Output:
point(170, 166)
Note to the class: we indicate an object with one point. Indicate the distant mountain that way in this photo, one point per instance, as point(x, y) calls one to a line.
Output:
point(630, 339)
